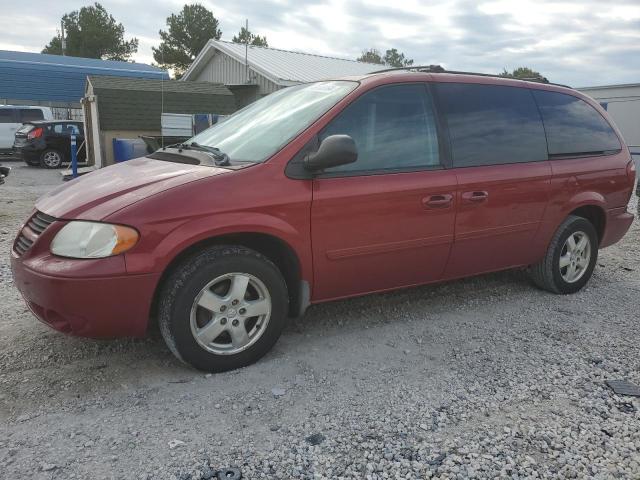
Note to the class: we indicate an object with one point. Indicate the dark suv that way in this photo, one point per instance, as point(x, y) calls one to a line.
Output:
point(48, 144)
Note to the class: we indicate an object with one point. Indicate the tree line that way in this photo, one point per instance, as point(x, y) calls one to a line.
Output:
point(92, 32)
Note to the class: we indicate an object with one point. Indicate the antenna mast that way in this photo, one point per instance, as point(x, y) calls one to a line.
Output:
point(162, 99)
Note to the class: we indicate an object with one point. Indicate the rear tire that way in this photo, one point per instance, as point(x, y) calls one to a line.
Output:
point(51, 158)
point(570, 258)
point(206, 303)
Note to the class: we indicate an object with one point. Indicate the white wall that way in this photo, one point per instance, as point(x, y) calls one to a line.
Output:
point(623, 105)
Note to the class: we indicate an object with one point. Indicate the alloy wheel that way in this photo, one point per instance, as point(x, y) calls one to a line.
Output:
point(575, 257)
point(230, 313)
point(52, 159)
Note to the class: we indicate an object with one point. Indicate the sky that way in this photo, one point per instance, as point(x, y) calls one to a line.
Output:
point(575, 42)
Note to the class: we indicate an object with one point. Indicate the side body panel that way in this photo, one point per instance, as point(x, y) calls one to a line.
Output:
point(587, 181)
point(378, 232)
point(497, 232)
point(257, 199)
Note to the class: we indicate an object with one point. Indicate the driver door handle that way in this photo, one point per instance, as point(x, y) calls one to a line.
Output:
point(475, 197)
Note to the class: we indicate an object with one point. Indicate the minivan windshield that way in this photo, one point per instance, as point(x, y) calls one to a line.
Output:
point(259, 130)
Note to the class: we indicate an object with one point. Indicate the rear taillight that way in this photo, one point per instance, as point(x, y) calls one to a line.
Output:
point(35, 133)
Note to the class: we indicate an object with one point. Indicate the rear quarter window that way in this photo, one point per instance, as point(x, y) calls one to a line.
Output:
point(491, 124)
point(30, 114)
point(573, 126)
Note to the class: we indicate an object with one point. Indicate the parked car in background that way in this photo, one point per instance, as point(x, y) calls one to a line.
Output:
point(324, 191)
point(48, 144)
point(11, 119)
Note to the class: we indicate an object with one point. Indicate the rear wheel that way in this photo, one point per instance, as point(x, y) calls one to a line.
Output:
point(223, 308)
point(51, 158)
point(570, 258)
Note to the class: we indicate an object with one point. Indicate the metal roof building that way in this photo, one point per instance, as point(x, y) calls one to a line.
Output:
point(58, 81)
point(266, 69)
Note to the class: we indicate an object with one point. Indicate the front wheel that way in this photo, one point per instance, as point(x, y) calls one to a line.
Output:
point(223, 308)
point(570, 258)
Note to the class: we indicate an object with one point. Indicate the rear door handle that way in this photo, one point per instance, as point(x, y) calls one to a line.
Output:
point(475, 197)
point(438, 201)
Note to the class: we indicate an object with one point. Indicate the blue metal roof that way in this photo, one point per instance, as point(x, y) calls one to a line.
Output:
point(54, 78)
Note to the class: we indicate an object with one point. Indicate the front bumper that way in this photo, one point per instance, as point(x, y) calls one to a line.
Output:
point(89, 298)
point(105, 307)
point(617, 224)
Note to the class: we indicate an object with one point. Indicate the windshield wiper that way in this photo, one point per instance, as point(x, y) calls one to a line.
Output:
point(220, 158)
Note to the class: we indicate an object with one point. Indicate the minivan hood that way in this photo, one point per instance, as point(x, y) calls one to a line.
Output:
point(101, 193)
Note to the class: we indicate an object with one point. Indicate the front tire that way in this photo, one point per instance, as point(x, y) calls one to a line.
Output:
point(570, 259)
point(223, 308)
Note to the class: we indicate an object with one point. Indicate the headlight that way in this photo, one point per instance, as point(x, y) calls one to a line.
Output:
point(93, 240)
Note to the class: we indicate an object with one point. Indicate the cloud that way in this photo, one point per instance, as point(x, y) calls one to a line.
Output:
point(578, 42)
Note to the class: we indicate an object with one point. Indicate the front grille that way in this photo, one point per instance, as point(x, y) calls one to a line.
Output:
point(37, 224)
point(22, 244)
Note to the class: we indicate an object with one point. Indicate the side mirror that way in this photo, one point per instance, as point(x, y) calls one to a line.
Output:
point(333, 151)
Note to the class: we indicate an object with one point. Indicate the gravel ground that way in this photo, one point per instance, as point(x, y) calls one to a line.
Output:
point(481, 378)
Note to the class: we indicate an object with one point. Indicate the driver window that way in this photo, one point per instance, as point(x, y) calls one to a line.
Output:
point(394, 127)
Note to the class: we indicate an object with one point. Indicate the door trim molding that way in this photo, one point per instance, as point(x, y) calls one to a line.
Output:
point(388, 247)
point(495, 231)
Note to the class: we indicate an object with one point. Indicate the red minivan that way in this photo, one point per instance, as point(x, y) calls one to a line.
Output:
point(325, 191)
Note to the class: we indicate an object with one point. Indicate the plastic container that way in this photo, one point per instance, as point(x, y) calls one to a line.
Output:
point(127, 148)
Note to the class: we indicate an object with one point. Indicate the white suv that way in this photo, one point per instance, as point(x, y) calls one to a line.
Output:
point(13, 116)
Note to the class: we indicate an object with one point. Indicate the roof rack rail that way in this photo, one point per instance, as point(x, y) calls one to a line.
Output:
point(440, 69)
point(420, 68)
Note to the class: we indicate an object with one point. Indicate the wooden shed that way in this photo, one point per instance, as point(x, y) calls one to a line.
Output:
point(119, 107)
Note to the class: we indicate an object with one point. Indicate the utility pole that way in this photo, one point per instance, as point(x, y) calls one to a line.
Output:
point(62, 40)
point(246, 51)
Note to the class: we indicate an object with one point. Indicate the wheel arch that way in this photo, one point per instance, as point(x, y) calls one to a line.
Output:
point(595, 214)
point(281, 253)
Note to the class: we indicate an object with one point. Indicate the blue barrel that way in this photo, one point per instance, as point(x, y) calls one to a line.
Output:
point(127, 148)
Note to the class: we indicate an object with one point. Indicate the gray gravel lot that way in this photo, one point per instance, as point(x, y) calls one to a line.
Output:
point(478, 378)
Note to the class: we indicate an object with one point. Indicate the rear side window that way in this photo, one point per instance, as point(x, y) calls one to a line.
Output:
point(6, 116)
point(30, 114)
point(573, 126)
point(492, 124)
point(66, 129)
point(393, 127)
